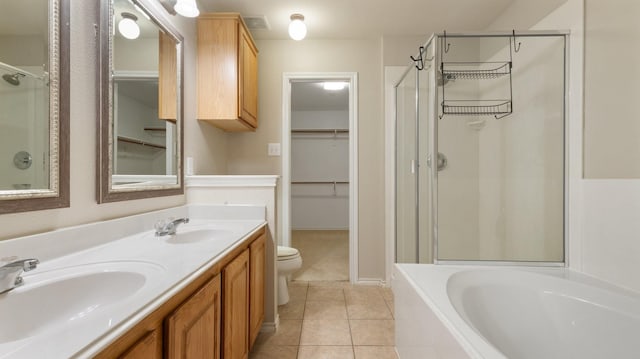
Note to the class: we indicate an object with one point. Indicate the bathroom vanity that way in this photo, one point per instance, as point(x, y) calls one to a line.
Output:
point(115, 289)
point(202, 314)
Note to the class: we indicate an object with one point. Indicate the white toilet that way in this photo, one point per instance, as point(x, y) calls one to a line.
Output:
point(289, 261)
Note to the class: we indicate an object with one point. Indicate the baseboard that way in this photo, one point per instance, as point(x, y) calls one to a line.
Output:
point(370, 281)
point(270, 327)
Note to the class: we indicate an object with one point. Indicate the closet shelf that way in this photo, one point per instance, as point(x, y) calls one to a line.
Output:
point(155, 129)
point(478, 107)
point(140, 142)
point(475, 70)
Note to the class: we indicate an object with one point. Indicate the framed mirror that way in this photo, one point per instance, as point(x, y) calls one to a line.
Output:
point(34, 105)
point(141, 126)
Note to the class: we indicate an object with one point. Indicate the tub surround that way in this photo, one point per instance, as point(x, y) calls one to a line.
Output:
point(505, 312)
point(122, 250)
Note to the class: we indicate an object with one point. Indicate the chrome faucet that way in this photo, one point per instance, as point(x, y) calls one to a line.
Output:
point(10, 273)
point(169, 227)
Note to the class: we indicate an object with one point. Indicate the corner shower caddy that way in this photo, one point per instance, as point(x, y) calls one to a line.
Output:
point(451, 71)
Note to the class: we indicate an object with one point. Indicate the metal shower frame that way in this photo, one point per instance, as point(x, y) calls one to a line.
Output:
point(419, 63)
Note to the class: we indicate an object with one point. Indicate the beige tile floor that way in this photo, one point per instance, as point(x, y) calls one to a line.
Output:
point(331, 320)
point(325, 255)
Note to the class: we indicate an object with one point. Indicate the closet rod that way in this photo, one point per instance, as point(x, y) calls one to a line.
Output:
point(320, 131)
point(319, 182)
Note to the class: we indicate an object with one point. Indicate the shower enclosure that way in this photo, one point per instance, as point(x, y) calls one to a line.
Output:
point(24, 127)
point(480, 150)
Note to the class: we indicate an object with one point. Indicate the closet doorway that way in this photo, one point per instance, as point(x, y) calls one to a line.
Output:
point(319, 174)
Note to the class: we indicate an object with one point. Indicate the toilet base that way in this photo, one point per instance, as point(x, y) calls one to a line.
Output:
point(283, 292)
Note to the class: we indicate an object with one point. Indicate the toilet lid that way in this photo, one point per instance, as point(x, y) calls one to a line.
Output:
point(287, 252)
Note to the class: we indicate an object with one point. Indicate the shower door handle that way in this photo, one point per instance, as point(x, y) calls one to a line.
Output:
point(413, 166)
point(442, 161)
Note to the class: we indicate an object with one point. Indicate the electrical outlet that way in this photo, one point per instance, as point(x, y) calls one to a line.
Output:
point(273, 149)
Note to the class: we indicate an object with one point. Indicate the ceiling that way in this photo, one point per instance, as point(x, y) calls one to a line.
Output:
point(356, 19)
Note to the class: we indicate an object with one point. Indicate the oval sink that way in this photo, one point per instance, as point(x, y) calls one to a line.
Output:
point(65, 296)
point(198, 235)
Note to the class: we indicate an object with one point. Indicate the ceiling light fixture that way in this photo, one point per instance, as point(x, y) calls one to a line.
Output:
point(334, 86)
point(187, 8)
point(297, 28)
point(128, 26)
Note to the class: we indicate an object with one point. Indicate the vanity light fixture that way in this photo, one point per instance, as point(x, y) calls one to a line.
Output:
point(187, 8)
point(334, 86)
point(128, 26)
point(297, 28)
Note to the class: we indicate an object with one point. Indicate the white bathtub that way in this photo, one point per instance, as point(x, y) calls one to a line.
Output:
point(505, 312)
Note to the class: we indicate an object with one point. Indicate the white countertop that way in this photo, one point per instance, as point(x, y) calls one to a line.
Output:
point(163, 269)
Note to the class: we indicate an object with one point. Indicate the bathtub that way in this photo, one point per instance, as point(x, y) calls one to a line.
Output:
point(511, 312)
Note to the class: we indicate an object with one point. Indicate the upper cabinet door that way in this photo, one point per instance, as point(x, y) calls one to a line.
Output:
point(248, 94)
point(167, 80)
point(227, 73)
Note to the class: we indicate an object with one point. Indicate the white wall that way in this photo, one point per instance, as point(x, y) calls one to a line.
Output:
point(612, 67)
point(609, 246)
point(319, 157)
point(84, 208)
point(247, 152)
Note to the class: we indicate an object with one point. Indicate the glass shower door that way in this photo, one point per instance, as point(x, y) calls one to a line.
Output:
point(501, 197)
point(406, 169)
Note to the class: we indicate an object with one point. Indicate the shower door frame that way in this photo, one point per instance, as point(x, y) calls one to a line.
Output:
point(433, 147)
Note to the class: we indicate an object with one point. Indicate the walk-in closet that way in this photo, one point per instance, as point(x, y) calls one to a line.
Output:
point(320, 179)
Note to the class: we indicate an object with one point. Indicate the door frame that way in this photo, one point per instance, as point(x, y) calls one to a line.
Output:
point(352, 78)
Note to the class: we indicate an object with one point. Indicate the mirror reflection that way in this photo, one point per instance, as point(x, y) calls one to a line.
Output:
point(144, 76)
point(24, 96)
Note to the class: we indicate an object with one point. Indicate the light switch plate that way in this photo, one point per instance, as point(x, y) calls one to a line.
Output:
point(273, 149)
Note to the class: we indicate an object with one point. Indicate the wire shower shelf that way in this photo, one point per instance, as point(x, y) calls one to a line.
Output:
point(476, 70)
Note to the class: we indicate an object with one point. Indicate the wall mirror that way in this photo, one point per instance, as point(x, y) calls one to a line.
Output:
point(34, 105)
point(140, 130)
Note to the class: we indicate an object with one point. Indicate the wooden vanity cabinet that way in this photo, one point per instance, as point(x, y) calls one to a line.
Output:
point(257, 271)
point(227, 73)
point(193, 330)
point(148, 346)
point(236, 308)
point(214, 316)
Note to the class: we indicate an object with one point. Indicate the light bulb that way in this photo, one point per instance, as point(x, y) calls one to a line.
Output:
point(128, 26)
point(187, 8)
point(297, 28)
point(334, 86)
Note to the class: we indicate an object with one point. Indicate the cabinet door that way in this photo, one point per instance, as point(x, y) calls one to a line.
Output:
point(248, 79)
point(257, 269)
point(193, 329)
point(149, 346)
point(167, 79)
point(236, 308)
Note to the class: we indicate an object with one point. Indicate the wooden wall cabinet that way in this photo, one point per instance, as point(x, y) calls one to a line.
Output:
point(227, 72)
point(167, 79)
point(214, 316)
